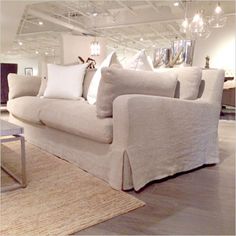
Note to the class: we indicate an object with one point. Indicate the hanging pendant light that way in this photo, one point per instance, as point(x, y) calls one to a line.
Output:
point(199, 26)
point(218, 19)
point(184, 28)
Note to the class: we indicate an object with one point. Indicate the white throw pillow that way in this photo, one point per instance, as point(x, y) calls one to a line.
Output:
point(93, 87)
point(65, 81)
point(139, 62)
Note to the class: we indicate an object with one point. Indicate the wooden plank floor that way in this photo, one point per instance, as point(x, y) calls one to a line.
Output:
point(201, 202)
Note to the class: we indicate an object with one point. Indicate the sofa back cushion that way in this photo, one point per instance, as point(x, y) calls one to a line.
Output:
point(19, 85)
point(94, 84)
point(87, 80)
point(189, 79)
point(116, 81)
point(211, 87)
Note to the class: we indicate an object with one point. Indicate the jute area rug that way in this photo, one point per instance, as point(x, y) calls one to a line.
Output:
point(60, 199)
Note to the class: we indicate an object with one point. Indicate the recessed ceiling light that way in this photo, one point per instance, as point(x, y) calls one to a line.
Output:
point(176, 4)
point(20, 43)
point(40, 23)
point(37, 52)
point(95, 14)
point(46, 53)
point(141, 39)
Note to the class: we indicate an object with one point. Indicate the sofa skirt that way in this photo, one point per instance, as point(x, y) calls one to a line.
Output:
point(129, 166)
point(99, 159)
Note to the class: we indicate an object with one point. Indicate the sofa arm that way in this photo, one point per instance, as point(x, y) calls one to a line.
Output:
point(20, 85)
point(143, 117)
point(163, 136)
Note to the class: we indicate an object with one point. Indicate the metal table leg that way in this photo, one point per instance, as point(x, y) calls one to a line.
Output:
point(21, 183)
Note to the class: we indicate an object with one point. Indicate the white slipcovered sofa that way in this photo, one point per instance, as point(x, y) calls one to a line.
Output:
point(148, 137)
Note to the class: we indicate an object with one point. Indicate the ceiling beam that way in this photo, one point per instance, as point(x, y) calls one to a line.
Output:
point(65, 4)
point(57, 21)
point(150, 22)
point(126, 7)
point(158, 33)
point(176, 32)
point(154, 7)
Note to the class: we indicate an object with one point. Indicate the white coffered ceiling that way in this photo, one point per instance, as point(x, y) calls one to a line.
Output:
point(126, 24)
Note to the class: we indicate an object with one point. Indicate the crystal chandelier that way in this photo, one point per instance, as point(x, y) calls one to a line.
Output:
point(218, 19)
point(95, 48)
point(200, 26)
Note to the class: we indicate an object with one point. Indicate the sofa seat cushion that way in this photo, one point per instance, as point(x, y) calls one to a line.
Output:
point(27, 108)
point(79, 118)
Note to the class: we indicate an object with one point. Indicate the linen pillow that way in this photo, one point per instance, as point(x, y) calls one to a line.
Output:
point(65, 81)
point(93, 87)
point(189, 79)
point(117, 81)
point(22, 85)
point(139, 62)
point(87, 80)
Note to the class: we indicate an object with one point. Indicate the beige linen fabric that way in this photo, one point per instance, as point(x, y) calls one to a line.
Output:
point(94, 84)
point(189, 79)
point(21, 85)
point(153, 137)
point(99, 159)
point(116, 81)
point(87, 80)
point(27, 108)
point(75, 117)
point(165, 136)
point(79, 118)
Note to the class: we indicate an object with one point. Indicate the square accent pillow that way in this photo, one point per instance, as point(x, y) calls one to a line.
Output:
point(93, 87)
point(117, 81)
point(140, 62)
point(65, 81)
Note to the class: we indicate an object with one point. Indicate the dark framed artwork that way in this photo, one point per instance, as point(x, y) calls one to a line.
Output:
point(29, 71)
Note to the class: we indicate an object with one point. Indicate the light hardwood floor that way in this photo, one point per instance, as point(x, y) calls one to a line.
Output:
point(201, 202)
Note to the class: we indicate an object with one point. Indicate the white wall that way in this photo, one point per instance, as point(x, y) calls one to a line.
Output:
point(44, 60)
point(220, 47)
point(23, 62)
point(74, 46)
